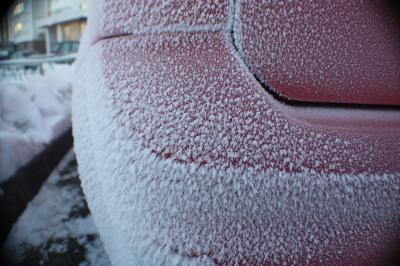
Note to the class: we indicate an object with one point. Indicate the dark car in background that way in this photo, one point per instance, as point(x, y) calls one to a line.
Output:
point(67, 47)
point(24, 54)
point(5, 53)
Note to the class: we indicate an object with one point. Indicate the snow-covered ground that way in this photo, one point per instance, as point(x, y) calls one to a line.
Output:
point(34, 110)
point(56, 228)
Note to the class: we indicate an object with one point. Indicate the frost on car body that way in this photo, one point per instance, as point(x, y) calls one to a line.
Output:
point(185, 159)
point(323, 50)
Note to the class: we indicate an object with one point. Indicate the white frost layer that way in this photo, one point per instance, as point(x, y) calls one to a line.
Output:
point(125, 241)
point(33, 111)
point(152, 211)
point(137, 16)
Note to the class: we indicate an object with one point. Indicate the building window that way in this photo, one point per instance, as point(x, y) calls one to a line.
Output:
point(72, 31)
point(82, 26)
point(18, 9)
point(83, 6)
point(18, 27)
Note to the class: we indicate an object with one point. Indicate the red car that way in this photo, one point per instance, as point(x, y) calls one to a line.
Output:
point(241, 132)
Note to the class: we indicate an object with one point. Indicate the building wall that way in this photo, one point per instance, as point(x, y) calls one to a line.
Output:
point(58, 7)
point(22, 29)
point(65, 21)
point(40, 11)
point(20, 21)
point(39, 24)
point(4, 31)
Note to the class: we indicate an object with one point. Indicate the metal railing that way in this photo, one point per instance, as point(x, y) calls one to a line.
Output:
point(17, 68)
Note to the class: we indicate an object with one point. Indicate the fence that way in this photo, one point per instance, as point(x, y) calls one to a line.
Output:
point(17, 68)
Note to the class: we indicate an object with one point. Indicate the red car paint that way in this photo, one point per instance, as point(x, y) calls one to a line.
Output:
point(324, 51)
point(178, 57)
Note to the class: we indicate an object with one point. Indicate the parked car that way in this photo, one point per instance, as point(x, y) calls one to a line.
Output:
point(241, 132)
point(24, 54)
point(5, 54)
point(65, 47)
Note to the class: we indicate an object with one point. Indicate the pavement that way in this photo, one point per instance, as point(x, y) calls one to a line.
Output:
point(56, 228)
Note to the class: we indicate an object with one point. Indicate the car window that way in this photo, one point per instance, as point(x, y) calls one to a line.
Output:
point(74, 47)
point(56, 48)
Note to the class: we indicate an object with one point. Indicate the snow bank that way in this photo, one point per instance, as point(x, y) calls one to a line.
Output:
point(33, 111)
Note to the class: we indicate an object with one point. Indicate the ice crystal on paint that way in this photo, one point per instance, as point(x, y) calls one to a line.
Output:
point(324, 51)
point(186, 160)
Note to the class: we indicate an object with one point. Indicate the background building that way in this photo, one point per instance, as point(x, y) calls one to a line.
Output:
point(3, 31)
point(65, 21)
point(39, 25)
point(23, 30)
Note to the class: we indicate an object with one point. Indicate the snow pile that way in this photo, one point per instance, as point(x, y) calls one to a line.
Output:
point(33, 111)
